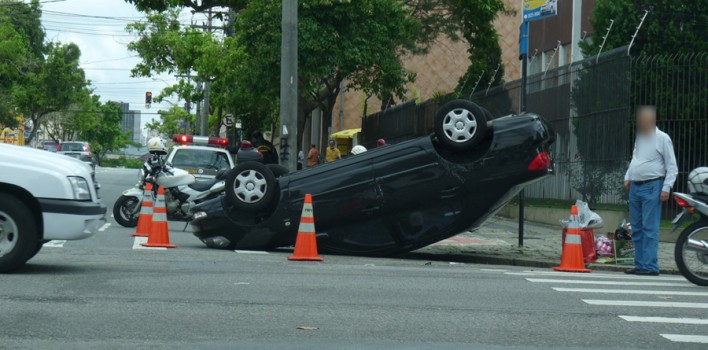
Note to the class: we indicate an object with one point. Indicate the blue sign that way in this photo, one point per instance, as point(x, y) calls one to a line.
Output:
point(539, 9)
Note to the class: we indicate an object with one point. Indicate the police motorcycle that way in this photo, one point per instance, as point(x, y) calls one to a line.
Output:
point(691, 252)
point(182, 192)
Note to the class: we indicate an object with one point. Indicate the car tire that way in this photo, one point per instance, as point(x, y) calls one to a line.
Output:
point(36, 249)
point(460, 125)
point(487, 114)
point(120, 209)
point(250, 186)
point(18, 233)
point(278, 170)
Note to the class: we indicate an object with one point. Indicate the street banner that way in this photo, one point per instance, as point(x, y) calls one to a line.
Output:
point(539, 9)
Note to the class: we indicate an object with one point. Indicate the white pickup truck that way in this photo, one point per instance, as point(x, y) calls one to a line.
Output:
point(43, 196)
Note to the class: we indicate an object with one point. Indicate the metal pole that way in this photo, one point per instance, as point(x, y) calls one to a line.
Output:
point(204, 118)
point(288, 86)
point(522, 109)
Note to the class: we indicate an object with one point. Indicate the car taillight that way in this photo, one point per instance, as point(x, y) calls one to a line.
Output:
point(681, 202)
point(200, 140)
point(59, 148)
point(541, 162)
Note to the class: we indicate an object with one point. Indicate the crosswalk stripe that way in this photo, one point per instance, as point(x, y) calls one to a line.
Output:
point(595, 275)
point(250, 252)
point(664, 320)
point(614, 283)
point(646, 303)
point(138, 240)
point(55, 244)
point(681, 338)
point(629, 291)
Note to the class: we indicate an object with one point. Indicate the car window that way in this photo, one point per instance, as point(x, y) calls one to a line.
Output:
point(72, 147)
point(198, 158)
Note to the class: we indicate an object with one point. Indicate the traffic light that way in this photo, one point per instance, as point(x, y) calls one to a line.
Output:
point(148, 97)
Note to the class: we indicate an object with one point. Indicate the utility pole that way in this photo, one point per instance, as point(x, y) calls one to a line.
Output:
point(288, 86)
point(203, 117)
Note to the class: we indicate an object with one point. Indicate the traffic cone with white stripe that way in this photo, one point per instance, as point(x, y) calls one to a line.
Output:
point(145, 218)
point(159, 234)
point(306, 242)
point(572, 257)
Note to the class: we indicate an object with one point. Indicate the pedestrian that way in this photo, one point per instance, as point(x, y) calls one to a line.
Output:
point(300, 159)
point(270, 155)
point(380, 143)
point(246, 153)
point(313, 156)
point(649, 179)
point(332, 152)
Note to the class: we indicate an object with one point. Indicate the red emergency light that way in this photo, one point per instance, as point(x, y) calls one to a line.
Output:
point(200, 140)
point(542, 161)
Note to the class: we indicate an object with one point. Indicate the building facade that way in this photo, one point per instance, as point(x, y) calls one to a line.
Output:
point(130, 122)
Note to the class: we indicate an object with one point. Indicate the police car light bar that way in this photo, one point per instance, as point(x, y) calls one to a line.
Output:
point(200, 140)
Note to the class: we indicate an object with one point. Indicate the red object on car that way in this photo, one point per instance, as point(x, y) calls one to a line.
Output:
point(542, 161)
point(200, 140)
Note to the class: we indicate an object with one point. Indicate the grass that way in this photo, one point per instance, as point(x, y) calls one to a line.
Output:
point(566, 204)
point(123, 162)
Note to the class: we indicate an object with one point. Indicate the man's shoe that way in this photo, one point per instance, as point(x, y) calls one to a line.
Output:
point(632, 271)
point(647, 273)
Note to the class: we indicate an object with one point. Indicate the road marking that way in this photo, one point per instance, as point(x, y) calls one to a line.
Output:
point(104, 227)
point(241, 283)
point(680, 338)
point(664, 320)
point(629, 291)
point(493, 270)
point(140, 240)
point(614, 283)
point(55, 244)
point(646, 303)
point(595, 275)
point(250, 252)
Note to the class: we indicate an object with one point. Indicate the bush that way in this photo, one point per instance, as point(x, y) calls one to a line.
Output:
point(122, 162)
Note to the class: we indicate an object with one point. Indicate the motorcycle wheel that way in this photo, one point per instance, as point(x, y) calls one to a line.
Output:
point(122, 209)
point(693, 264)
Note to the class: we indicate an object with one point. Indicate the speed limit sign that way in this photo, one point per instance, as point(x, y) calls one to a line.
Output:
point(229, 120)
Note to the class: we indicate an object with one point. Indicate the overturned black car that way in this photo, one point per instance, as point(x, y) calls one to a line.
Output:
point(390, 199)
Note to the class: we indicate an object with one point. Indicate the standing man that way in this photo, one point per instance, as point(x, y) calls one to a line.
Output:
point(265, 147)
point(313, 157)
point(649, 178)
point(332, 152)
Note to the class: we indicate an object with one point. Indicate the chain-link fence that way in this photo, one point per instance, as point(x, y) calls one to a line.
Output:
point(590, 105)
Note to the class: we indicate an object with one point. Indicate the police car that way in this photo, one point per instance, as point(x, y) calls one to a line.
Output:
point(201, 156)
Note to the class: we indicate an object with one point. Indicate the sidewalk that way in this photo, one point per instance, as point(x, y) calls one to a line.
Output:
point(496, 242)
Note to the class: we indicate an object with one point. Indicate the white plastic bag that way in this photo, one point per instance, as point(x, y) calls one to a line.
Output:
point(587, 218)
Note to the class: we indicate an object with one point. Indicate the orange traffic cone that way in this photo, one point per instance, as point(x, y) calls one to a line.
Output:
point(145, 218)
point(572, 257)
point(306, 243)
point(159, 232)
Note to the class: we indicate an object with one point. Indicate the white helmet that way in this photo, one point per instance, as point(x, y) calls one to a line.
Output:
point(157, 146)
point(698, 181)
point(358, 149)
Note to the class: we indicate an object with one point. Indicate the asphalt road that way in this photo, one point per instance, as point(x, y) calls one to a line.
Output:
point(100, 293)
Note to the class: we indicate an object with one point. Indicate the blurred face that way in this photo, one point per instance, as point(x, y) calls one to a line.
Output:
point(331, 143)
point(646, 121)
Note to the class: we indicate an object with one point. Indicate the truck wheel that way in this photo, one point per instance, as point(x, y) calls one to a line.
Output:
point(460, 125)
point(250, 186)
point(124, 211)
point(18, 233)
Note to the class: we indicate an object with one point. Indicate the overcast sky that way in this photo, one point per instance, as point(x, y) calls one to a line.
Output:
point(98, 28)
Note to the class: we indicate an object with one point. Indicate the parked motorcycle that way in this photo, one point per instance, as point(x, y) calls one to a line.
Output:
point(182, 192)
point(691, 252)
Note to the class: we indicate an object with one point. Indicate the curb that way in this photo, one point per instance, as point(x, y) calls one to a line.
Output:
point(501, 260)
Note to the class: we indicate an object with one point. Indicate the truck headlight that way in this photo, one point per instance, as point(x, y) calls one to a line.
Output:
point(80, 187)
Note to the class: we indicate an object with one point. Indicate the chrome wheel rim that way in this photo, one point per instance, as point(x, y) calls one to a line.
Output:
point(696, 261)
point(459, 125)
point(8, 234)
point(250, 186)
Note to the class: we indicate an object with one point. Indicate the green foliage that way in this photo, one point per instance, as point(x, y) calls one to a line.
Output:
point(671, 26)
point(123, 162)
point(172, 121)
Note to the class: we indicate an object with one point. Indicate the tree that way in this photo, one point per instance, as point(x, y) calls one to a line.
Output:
point(102, 127)
point(172, 121)
point(53, 85)
point(164, 5)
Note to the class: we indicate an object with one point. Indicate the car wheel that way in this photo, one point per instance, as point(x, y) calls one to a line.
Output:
point(250, 186)
point(18, 233)
point(125, 212)
point(460, 125)
point(278, 170)
point(487, 114)
point(36, 249)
